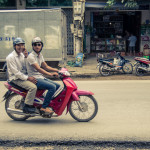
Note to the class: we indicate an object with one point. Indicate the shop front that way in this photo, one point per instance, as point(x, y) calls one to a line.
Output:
point(105, 29)
point(108, 30)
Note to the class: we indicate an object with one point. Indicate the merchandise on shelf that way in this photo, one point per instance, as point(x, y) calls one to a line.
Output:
point(109, 45)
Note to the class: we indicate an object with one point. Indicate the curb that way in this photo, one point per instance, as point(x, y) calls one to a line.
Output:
point(76, 75)
point(85, 143)
point(87, 75)
point(3, 76)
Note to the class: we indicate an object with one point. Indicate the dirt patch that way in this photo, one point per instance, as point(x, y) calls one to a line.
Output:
point(115, 77)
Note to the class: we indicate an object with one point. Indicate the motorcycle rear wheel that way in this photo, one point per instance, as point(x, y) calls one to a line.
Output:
point(103, 70)
point(11, 102)
point(85, 109)
point(127, 68)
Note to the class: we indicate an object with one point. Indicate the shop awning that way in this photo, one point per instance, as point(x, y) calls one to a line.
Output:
point(101, 5)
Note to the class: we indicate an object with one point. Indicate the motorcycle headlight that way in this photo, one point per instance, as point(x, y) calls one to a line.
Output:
point(66, 73)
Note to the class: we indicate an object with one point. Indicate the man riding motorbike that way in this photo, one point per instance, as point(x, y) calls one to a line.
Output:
point(37, 67)
point(17, 74)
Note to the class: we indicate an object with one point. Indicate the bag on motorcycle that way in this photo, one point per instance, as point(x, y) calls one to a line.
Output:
point(116, 62)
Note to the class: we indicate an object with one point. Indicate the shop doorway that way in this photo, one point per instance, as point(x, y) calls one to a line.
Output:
point(132, 24)
point(111, 25)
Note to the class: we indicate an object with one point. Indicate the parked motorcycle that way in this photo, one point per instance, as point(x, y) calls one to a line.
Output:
point(106, 66)
point(142, 66)
point(81, 104)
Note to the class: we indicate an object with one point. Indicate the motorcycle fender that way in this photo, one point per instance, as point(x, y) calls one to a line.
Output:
point(77, 93)
point(75, 96)
point(7, 94)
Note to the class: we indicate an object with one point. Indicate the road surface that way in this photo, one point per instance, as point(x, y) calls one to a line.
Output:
point(124, 115)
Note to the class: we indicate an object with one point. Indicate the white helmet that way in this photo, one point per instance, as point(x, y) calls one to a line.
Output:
point(37, 40)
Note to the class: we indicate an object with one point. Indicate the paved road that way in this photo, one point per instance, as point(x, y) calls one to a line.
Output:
point(124, 115)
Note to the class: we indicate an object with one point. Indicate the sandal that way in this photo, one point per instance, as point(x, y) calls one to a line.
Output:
point(47, 110)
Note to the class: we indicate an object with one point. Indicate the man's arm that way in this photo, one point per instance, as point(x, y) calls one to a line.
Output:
point(41, 70)
point(48, 68)
point(12, 66)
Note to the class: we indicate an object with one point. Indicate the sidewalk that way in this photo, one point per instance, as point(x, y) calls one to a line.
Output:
point(89, 68)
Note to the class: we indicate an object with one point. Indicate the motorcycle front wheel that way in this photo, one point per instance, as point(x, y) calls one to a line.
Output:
point(104, 70)
point(85, 109)
point(14, 102)
point(138, 71)
point(127, 68)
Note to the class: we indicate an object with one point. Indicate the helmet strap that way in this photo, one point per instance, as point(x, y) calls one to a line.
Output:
point(39, 51)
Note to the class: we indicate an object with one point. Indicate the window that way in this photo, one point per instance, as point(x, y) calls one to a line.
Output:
point(36, 3)
point(8, 3)
point(48, 3)
point(60, 2)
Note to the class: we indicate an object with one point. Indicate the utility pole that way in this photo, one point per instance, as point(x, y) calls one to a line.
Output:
point(77, 28)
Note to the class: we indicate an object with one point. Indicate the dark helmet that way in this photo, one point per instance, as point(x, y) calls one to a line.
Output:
point(18, 40)
point(37, 40)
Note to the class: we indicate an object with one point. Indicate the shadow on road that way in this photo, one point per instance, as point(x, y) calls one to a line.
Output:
point(43, 121)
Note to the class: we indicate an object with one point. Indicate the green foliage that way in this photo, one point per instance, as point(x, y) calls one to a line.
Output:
point(127, 3)
point(110, 3)
point(131, 3)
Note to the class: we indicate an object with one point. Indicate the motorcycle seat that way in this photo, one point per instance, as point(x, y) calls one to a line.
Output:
point(101, 60)
point(17, 87)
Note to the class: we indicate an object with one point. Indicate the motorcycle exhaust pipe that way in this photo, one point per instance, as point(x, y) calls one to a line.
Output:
point(142, 68)
point(106, 69)
point(20, 112)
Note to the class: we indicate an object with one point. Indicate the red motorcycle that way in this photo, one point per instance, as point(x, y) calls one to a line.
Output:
point(142, 66)
point(81, 104)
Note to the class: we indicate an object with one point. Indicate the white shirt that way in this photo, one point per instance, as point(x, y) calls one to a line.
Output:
point(34, 58)
point(132, 40)
point(16, 66)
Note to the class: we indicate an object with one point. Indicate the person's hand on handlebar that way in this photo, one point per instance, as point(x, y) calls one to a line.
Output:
point(55, 74)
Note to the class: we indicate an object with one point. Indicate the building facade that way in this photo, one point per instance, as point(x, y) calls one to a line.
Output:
point(104, 27)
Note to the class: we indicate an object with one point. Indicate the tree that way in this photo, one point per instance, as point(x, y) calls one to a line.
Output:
point(127, 3)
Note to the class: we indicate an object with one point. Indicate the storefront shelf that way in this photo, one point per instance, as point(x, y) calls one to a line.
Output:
point(110, 45)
